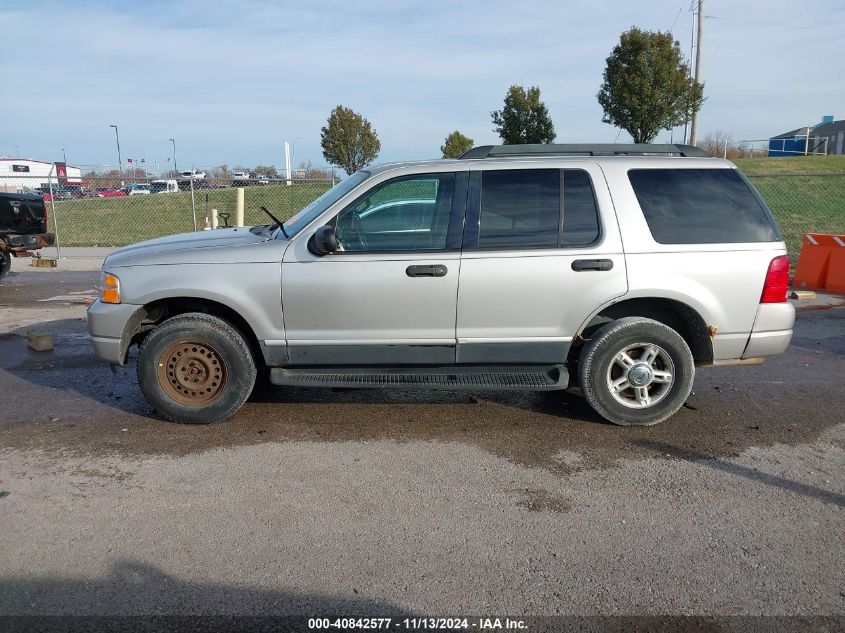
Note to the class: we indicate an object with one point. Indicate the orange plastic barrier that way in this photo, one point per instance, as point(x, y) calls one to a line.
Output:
point(821, 264)
point(835, 281)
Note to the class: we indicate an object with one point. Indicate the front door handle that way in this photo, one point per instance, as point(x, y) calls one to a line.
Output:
point(428, 270)
point(580, 265)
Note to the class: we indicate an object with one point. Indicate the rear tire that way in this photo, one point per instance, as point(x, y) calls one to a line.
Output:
point(196, 368)
point(636, 371)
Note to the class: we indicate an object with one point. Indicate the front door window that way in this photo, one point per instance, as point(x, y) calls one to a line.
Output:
point(404, 214)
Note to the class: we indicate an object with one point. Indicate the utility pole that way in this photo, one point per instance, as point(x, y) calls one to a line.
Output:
point(698, 16)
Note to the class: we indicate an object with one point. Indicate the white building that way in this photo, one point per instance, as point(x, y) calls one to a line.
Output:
point(20, 173)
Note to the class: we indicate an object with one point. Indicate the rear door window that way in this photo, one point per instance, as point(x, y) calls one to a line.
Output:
point(701, 206)
point(580, 213)
point(524, 208)
point(519, 208)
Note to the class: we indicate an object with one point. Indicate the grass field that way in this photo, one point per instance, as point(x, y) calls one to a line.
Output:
point(120, 221)
point(806, 194)
point(792, 165)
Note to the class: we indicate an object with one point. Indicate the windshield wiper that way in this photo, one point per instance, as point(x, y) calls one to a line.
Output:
point(277, 223)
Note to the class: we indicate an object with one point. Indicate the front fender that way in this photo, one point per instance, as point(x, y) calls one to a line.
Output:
point(252, 290)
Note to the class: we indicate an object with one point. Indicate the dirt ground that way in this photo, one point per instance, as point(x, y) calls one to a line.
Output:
point(370, 501)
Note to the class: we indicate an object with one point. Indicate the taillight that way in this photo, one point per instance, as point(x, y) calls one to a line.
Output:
point(776, 286)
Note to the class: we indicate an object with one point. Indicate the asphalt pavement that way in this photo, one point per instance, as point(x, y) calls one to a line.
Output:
point(312, 501)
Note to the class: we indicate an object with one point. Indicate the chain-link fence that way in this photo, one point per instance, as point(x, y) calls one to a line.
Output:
point(109, 212)
point(804, 203)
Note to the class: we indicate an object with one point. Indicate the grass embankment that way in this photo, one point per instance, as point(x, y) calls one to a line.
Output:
point(804, 193)
point(792, 165)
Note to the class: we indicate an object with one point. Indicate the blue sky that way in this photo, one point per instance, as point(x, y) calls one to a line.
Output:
point(232, 80)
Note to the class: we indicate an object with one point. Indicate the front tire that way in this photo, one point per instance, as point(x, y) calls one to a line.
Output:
point(196, 368)
point(636, 371)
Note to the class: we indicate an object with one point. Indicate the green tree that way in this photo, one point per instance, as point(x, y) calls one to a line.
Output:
point(455, 145)
point(524, 118)
point(647, 87)
point(348, 140)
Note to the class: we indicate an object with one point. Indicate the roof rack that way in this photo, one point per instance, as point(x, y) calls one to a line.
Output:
point(583, 149)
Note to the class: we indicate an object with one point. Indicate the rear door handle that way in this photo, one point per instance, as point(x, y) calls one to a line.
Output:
point(428, 270)
point(580, 265)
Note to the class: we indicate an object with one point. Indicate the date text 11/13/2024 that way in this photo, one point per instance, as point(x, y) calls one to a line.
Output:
point(417, 624)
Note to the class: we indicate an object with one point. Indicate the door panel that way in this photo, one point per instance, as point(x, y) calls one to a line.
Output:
point(370, 306)
point(531, 304)
point(352, 299)
point(525, 304)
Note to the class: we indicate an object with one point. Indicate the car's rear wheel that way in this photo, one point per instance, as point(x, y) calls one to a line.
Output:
point(196, 368)
point(636, 371)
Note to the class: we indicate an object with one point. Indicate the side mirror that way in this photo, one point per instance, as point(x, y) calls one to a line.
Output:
point(324, 241)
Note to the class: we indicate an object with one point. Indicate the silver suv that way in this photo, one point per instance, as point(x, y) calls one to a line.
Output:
point(614, 268)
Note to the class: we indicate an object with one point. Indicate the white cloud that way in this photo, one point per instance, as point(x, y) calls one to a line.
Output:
point(231, 81)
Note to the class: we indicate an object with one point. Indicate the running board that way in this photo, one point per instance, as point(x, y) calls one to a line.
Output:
point(505, 378)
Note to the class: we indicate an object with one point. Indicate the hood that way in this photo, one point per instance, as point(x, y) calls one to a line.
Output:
point(200, 247)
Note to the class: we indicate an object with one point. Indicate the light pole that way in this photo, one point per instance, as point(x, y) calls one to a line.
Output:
point(64, 156)
point(119, 160)
point(174, 156)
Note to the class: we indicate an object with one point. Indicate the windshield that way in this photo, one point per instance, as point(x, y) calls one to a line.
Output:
point(295, 224)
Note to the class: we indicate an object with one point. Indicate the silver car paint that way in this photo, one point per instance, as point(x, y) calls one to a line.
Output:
point(368, 299)
point(772, 330)
point(722, 282)
point(233, 267)
point(533, 296)
point(244, 271)
point(236, 245)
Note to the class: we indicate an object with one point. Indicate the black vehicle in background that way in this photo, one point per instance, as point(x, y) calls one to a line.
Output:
point(69, 192)
point(23, 227)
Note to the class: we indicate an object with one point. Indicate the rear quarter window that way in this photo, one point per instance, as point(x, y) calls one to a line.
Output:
point(701, 206)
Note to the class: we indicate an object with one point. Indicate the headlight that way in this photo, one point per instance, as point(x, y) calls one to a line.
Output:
point(109, 288)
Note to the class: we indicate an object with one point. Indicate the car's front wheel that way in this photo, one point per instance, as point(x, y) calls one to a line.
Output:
point(636, 371)
point(196, 368)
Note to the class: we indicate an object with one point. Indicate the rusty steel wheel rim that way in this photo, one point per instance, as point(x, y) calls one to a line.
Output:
point(192, 373)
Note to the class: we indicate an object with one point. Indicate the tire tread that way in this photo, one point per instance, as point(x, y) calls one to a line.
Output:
point(244, 375)
point(593, 352)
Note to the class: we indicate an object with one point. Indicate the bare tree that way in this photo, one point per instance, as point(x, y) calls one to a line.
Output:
point(221, 171)
point(313, 172)
point(720, 144)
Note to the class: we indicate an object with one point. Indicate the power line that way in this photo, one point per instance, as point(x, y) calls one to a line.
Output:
point(675, 21)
